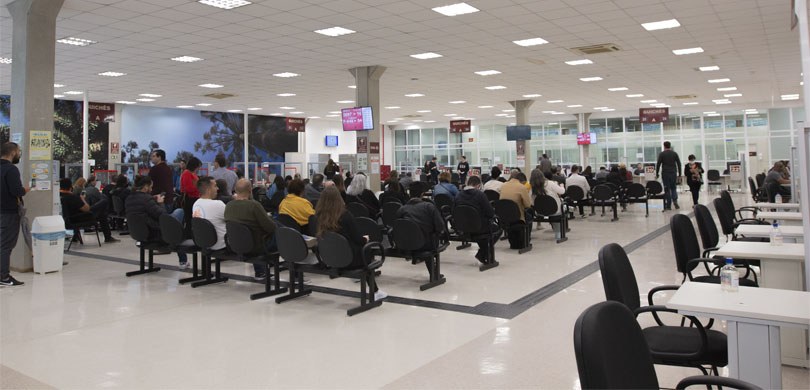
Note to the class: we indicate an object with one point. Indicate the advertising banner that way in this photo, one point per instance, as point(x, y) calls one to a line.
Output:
point(39, 147)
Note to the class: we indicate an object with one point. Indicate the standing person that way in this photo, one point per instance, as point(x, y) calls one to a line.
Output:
point(694, 177)
point(434, 171)
point(249, 212)
point(545, 163)
point(426, 170)
point(188, 187)
point(463, 168)
point(162, 178)
point(176, 174)
point(669, 166)
point(11, 193)
point(331, 169)
point(222, 172)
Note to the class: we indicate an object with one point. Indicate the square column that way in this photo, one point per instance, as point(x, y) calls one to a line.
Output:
point(367, 80)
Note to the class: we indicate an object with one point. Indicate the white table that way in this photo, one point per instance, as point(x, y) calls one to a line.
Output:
point(753, 319)
point(778, 206)
point(790, 233)
point(781, 267)
point(780, 215)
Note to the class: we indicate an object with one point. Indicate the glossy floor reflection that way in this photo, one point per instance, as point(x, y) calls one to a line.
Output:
point(90, 326)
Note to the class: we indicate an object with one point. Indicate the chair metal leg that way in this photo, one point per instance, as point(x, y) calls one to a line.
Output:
point(195, 271)
point(143, 269)
point(436, 278)
point(217, 278)
point(271, 287)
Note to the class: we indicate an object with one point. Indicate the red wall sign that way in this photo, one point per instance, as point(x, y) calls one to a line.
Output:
point(463, 126)
point(295, 125)
point(653, 115)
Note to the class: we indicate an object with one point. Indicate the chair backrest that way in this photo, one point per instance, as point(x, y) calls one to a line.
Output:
point(335, 250)
point(291, 245)
point(618, 278)
point(389, 213)
point(138, 228)
point(545, 205)
point(727, 198)
point(205, 235)
point(454, 178)
point(713, 175)
point(407, 235)
point(684, 239)
point(611, 351)
point(602, 192)
point(288, 221)
point(312, 225)
point(706, 227)
point(760, 179)
point(369, 227)
point(386, 198)
point(171, 230)
point(636, 191)
point(466, 219)
point(507, 211)
point(725, 215)
point(357, 209)
point(239, 238)
point(654, 187)
point(118, 205)
point(752, 186)
point(492, 195)
point(443, 200)
point(416, 189)
point(574, 193)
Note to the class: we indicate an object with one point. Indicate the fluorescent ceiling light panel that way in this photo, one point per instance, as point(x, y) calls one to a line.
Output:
point(691, 50)
point(494, 87)
point(277, 114)
point(335, 31)
point(794, 96)
point(203, 104)
point(209, 85)
point(478, 107)
point(456, 9)
point(286, 74)
point(635, 95)
point(557, 113)
point(554, 101)
point(58, 85)
point(531, 95)
point(579, 62)
point(723, 102)
point(73, 92)
point(720, 100)
point(617, 89)
point(457, 117)
point(414, 95)
point(285, 94)
point(450, 114)
point(286, 108)
point(458, 102)
point(187, 59)
point(530, 42)
point(426, 56)
point(728, 95)
point(608, 109)
point(709, 68)
point(423, 111)
point(715, 81)
point(487, 72)
point(501, 114)
point(510, 110)
point(76, 41)
point(392, 107)
point(225, 4)
point(314, 117)
point(649, 101)
point(332, 116)
point(254, 108)
point(586, 79)
point(430, 121)
point(350, 86)
point(124, 102)
point(599, 108)
point(144, 100)
point(4, 60)
point(58, 96)
point(185, 106)
point(150, 95)
point(726, 89)
point(112, 74)
point(664, 24)
point(574, 106)
point(345, 101)
point(690, 104)
point(234, 110)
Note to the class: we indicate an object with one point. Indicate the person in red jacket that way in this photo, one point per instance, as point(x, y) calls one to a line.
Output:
point(188, 187)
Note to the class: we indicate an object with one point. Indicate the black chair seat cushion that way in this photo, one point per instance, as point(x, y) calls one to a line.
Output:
point(187, 248)
point(668, 342)
point(154, 245)
point(716, 280)
point(224, 254)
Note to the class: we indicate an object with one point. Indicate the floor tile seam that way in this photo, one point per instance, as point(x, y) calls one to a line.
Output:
point(28, 376)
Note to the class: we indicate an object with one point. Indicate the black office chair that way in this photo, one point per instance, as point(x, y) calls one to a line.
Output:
point(612, 353)
point(510, 221)
point(492, 195)
point(240, 241)
point(368, 227)
point(337, 254)
point(410, 240)
point(288, 221)
point(294, 251)
point(575, 197)
point(78, 222)
point(118, 217)
point(655, 191)
point(738, 212)
point(604, 195)
point(468, 225)
point(139, 231)
point(546, 210)
point(713, 176)
point(357, 210)
point(760, 178)
point(725, 214)
point(636, 193)
point(171, 231)
point(444, 203)
point(205, 237)
point(757, 194)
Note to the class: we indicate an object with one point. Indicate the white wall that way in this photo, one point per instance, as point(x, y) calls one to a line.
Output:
point(316, 132)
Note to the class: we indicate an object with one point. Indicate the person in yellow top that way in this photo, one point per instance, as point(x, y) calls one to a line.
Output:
point(515, 191)
point(295, 205)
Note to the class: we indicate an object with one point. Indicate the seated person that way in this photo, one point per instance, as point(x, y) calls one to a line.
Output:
point(542, 185)
point(473, 196)
point(332, 216)
point(249, 212)
point(295, 205)
point(430, 221)
point(615, 177)
point(602, 175)
point(312, 191)
point(120, 189)
point(394, 190)
point(76, 210)
point(406, 179)
point(141, 202)
point(210, 208)
point(556, 176)
point(222, 191)
point(639, 170)
point(92, 194)
point(358, 192)
point(774, 180)
point(579, 181)
point(444, 186)
point(515, 191)
point(493, 183)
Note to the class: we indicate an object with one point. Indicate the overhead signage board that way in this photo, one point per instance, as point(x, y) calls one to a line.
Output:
point(653, 115)
point(295, 125)
point(461, 126)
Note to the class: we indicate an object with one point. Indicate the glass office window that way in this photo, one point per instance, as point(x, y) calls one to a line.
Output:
point(598, 126)
point(632, 124)
point(440, 136)
point(400, 138)
point(615, 125)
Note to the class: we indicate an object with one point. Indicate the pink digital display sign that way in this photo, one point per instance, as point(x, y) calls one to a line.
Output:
point(357, 118)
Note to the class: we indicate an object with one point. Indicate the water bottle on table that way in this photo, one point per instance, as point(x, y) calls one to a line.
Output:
point(778, 198)
point(729, 278)
point(776, 235)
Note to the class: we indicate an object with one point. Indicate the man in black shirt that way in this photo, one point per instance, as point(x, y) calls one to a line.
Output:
point(463, 168)
point(669, 166)
point(473, 196)
point(11, 193)
point(434, 171)
point(161, 175)
point(75, 209)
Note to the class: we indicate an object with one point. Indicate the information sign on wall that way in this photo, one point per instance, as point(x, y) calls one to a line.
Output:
point(520, 145)
point(653, 115)
point(362, 144)
point(101, 112)
point(461, 126)
point(295, 125)
point(374, 147)
point(39, 145)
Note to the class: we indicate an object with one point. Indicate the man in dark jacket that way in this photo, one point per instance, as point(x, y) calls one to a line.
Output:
point(669, 166)
point(312, 192)
point(161, 175)
point(11, 193)
point(473, 196)
point(430, 221)
point(141, 203)
point(75, 209)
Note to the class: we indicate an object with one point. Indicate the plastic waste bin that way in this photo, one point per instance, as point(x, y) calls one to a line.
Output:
point(48, 241)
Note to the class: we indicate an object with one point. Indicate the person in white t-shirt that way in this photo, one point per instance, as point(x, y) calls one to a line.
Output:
point(208, 207)
point(580, 181)
point(493, 183)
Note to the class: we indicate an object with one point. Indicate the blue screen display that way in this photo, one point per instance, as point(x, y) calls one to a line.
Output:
point(331, 140)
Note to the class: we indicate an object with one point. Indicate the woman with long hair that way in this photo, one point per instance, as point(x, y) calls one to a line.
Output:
point(358, 192)
point(543, 185)
point(78, 186)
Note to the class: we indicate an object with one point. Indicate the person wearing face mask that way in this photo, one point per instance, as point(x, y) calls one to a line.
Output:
point(11, 193)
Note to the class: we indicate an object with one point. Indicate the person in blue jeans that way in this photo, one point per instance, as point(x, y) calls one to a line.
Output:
point(668, 167)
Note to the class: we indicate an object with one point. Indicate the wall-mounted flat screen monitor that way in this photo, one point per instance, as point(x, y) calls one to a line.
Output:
point(357, 119)
point(586, 138)
point(331, 140)
point(517, 133)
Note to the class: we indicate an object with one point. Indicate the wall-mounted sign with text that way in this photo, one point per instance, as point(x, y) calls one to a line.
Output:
point(295, 125)
point(374, 147)
point(653, 115)
point(101, 112)
point(462, 126)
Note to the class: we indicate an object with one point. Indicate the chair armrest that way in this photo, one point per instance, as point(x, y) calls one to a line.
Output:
point(704, 338)
point(708, 251)
point(373, 248)
point(701, 260)
point(653, 292)
point(716, 381)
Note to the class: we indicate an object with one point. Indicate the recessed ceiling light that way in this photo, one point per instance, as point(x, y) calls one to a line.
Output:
point(334, 112)
point(286, 108)
point(715, 81)
point(112, 74)
point(709, 112)
point(617, 89)
point(234, 110)
point(530, 42)
point(554, 101)
point(586, 79)
point(509, 110)
point(457, 117)
point(548, 112)
point(430, 121)
point(574, 106)
point(664, 24)
point(728, 95)
point(649, 101)
point(225, 4)
point(691, 50)
point(660, 105)
point(599, 108)
point(314, 117)
point(185, 106)
point(285, 94)
point(494, 87)
point(458, 102)
point(76, 41)
point(501, 114)
point(793, 96)
point(723, 102)
point(58, 96)
point(352, 86)
point(345, 101)
point(726, 89)
point(720, 100)
point(557, 113)
point(144, 100)
point(450, 114)
point(690, 104)
point(187, 59)
point(635, 95)
point(277, 114)
point(579, 62)
point(211, 85)
point(4, 60)
point(124, 102)
point(58, 85)
point(73, 92)
point(531, 95)
point(332, 116)
point(709, 68)
point(392, 107)
point(414, 95)
point(423, 111)
point(487, 72)
point(335, 31)
point(150, 95)
point(608, 109)
point(393, 121)
point(286, 74)
point(481, 107)
point(426, 56)
point(456, 9)
point(203, 104)
point(254, 108)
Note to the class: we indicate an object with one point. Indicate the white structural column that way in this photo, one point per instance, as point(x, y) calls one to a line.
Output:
point(801, 7)
point(86, 135)
point(32, 73)
point(582, 125)
point(367, 80)
point(522, 118)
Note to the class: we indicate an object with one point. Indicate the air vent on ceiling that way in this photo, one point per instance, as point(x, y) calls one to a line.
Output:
point(596, 49)
point(536, 61)
point(683, 97)
point(219, 95)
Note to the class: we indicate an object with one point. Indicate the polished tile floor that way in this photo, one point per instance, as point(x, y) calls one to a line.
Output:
point(90, 326)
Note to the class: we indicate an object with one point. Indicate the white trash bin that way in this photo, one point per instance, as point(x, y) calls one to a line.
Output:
point(48, 235)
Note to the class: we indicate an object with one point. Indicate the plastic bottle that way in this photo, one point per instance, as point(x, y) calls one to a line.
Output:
point(729, 278)
point(778, 198)
point(776, 235)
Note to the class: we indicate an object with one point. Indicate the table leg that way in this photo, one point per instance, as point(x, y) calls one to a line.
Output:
point(787, 275)
point(754, 354)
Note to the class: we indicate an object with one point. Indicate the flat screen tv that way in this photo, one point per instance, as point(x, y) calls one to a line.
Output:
point(331, 140)
point(357, 119)
point(517, 133)
point(586, 138)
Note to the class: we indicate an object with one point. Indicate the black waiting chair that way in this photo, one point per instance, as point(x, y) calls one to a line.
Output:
point(368, 227)
point(77, 223)
point(444, 203)
point(612, 353)
point(710, 238)
point(687, 253)
point(757, 194)
point(603, 195)
point(738, 212)
point(171, 231)
point(725, 214)
point(357, 210)
point(139, 231)
point(492, 195)
point(546, 210)
point(467, 221)
point(288, 221)
point(205, 237)
point(636, 193)
point(760, 178)
point(417, 188)
point(655, 190)
point(575, 197)
point(409, 239)
point(713, 176)
point(240, 241)
point(510, 221)
point(118, 216)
